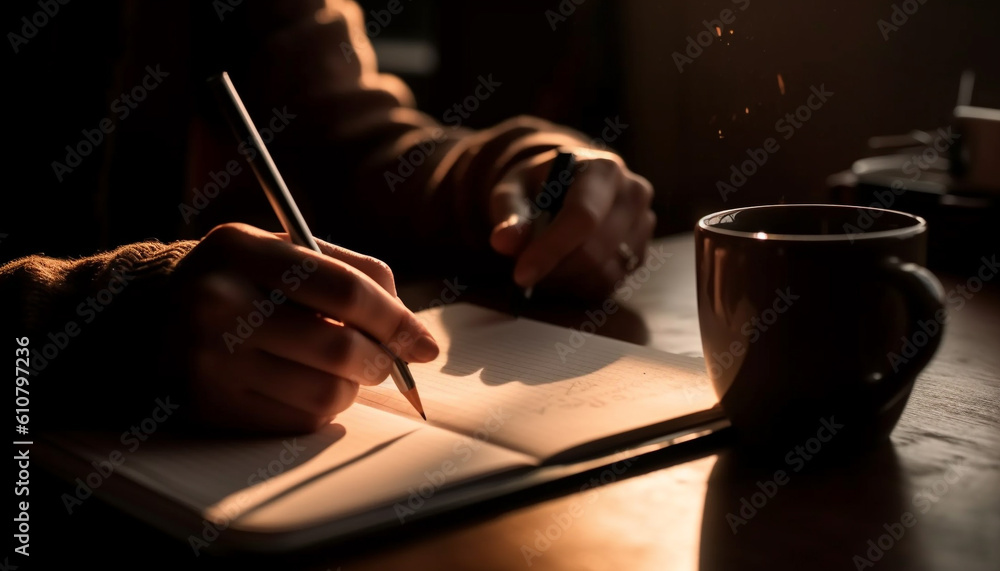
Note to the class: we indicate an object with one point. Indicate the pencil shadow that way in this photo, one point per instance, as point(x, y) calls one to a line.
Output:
point(558, 349)
point(840, 506)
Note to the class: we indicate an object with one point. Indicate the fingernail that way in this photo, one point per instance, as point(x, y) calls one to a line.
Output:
point(511, 220)
point(425, 349)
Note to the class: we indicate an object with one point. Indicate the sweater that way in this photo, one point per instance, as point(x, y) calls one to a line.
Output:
point(373, 172)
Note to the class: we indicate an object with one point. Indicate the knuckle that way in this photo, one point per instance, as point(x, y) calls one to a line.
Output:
point(608, 166)
point(382, 274)
point(401, 328)
point(649, 227)
point(215, 287)
point(349, 392)
point(338, 396)
point(641, 190)
point(226, 234)
point(632, 193)
point(339, 348)
point(605, 162)
point(374, 375)
point(637, 192)
point(347, 288)
point(328, 394)
point(587, 218)
point(377, 368)
point(215, 299)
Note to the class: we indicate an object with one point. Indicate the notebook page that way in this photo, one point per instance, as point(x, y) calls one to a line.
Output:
point(531, 387)
point(364, 459)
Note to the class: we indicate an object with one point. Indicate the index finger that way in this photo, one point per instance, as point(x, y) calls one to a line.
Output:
point(340, 291)
point(372, 267)
point(346, 294)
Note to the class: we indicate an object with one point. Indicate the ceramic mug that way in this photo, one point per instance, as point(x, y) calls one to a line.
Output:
point(815, 317)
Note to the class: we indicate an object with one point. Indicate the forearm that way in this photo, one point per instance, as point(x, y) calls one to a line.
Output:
point(94, 318)
point(371, 165)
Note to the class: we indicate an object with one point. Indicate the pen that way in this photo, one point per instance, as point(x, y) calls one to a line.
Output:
point(550, 200)
point(286, 209)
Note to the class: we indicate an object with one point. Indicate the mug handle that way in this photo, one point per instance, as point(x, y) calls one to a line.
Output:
point(924, 299)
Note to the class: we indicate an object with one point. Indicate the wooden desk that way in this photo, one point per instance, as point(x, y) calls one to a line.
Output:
point(675, 517)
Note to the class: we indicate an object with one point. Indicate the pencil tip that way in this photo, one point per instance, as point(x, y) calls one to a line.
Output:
point(414, 397)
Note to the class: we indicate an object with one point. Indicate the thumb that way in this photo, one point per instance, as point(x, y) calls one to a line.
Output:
point(509, 211)
point(511, 236)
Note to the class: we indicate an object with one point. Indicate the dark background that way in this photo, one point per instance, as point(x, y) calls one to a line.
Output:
point(613, 59)
point(597, 61)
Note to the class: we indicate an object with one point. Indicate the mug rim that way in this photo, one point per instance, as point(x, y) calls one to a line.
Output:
point(920, 225)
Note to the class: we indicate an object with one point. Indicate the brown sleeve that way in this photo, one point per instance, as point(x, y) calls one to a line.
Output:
point(94, 327)
point(372, 164)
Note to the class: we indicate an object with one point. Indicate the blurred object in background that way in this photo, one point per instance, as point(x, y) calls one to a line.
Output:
point(977, 164)
point(950, 176)
point(695, 98)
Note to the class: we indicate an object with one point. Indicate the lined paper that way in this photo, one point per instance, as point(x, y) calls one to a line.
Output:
point(364, 459)
point(505, 395)
point(534, 388)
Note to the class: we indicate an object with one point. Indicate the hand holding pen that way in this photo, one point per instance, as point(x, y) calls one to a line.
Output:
point(276, 337)
point(585, 246)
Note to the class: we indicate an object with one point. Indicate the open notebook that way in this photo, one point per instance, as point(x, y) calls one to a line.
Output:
point(511, 403)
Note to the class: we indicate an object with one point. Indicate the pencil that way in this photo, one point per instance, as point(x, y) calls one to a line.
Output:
point(550, 200)
point(286, 209)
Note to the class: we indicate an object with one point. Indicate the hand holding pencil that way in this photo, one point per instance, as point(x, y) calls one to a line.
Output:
point(252, 341)
point(282, 328)
point(597, 237)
